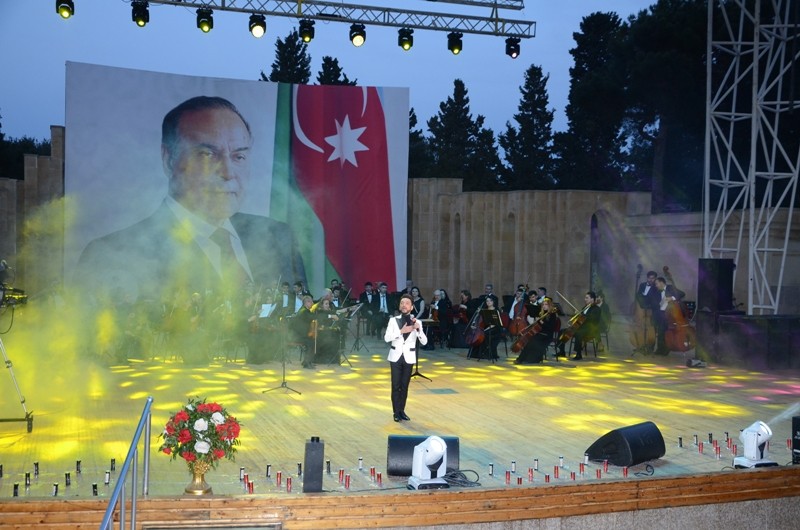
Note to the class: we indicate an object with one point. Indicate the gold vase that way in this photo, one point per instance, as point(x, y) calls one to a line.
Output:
point(198, 485)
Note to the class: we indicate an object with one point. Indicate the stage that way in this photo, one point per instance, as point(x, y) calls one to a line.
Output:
point(507, 417)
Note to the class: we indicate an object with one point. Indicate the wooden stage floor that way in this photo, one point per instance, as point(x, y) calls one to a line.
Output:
point(501, 413)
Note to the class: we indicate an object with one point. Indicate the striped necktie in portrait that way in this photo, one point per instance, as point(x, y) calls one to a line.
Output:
point(233, 274)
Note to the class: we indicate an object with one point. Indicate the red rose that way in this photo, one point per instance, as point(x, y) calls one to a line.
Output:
point(167, 450)
point(184, 436)
point(214, 407)
point(189, 457)
point(219, 453)
point(170, 429)
point(181, 416)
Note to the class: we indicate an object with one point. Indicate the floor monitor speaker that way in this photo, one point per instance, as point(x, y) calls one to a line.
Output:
point(629, 446)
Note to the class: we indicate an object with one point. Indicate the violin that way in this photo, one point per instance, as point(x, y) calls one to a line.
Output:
point(531, 331)
point(679, 335)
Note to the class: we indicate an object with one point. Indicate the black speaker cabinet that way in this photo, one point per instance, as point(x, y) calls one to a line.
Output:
point(400, 453)
point(314, 463)
point(629, 446)
point(715, 284)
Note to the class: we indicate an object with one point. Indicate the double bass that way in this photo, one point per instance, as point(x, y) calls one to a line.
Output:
point(642, 334)
point(520, 321)
point(679, 335)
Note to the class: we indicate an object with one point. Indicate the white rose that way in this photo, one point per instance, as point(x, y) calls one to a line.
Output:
point(202, 447)
point(218, 418)
point(200, 425)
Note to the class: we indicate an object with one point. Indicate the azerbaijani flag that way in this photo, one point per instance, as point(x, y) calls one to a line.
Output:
point(342, 182)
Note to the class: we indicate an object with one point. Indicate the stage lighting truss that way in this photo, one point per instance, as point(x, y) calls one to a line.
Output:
point(65, 8)
point(358, 34)
point(205, 19)
point(140, 13)
point(512, 47)
point(454, 43)
point(306, 30)
point(258, 25)
point(405, 38)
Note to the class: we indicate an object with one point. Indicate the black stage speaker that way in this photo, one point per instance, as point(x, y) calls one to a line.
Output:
point(400, 453)
point(796, 440)
point(313, 465)
point(715, 284)
point(629, 446)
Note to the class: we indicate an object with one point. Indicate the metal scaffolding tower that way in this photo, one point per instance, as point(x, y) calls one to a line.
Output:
point(750, 178)
point(380, 16)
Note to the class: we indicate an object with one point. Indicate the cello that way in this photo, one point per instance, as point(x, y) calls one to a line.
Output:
point(575, 322)
point(679, 335)
point(474, 334)
point(642, 333)
point(529, 332)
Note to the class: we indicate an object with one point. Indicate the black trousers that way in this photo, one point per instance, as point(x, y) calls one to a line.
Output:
point(401, 377)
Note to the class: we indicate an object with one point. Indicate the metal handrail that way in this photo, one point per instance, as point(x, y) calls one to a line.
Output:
point(131, 463)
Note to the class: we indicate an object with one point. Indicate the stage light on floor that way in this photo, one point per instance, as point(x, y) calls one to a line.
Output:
point(358, 34)
point(65, 8)
point(258, 25)
point(405, 38)
point(755, 439)
point(429, 465)
point(140, 13)
point(306, 30)
point(512, 47)
point(454, 43)
point(205, 19)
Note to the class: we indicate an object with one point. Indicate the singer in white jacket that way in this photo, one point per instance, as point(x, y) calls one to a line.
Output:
point(402, 333)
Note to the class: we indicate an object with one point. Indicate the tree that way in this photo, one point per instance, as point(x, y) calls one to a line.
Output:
point(331, 73)
point(528, 148)
point(589, 153)
point(485, 168)
point(292, 63)
point(420, 160)
point(13, 151)
point(454, 141)
point(667, 97)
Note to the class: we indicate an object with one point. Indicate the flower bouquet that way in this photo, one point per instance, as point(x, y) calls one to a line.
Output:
point(201, 433)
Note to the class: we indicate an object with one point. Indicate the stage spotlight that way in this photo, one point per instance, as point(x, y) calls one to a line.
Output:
point(306, 30)
point(429, 465)
point(405, 38)
point(258, 25)
point(65, 8)
point(754, 438)
point(140, 14)
point(454, 42)
point(358, 35)
point(512, 47)
point(205, 19)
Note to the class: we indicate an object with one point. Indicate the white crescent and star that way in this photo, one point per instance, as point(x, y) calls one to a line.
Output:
point(345, 142)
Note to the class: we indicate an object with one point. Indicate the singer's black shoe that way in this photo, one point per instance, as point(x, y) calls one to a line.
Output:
point(404, 417)
point(397, 417)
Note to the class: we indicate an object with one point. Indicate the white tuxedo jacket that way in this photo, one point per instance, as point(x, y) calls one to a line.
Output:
point(406, 348)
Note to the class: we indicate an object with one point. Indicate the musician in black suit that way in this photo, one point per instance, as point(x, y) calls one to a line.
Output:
point(386, 307)
point(196, 240)
point(647, 294)
point(369, 299)
point(667, 294)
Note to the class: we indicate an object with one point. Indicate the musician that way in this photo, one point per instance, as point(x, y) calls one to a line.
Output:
point(462, 316)
point(384, 308)
point(300, 327)
point(605, 315)
point(492, 330)
point(403, 332)
point(443, 309)
point(668, 294)
point(535, 349)
point(647, 294)
point(369, 299)
point(517, 308)
point(590, 329)
point(419, 303)
point(488, 292)
point(328, 333)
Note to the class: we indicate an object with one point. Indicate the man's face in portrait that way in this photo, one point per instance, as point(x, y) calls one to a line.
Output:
point(209, 163)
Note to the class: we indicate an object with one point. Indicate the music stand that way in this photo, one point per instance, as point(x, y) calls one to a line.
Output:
point(416, 372)
point(28, 415)
point(283, 384)
point(491, 322)
point(358, 344)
